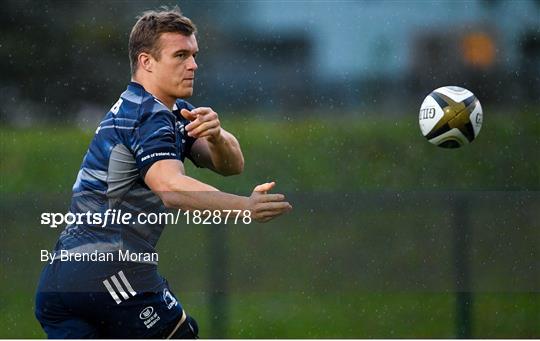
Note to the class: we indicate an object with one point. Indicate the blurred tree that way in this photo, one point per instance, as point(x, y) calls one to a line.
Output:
point(60, 55)
point(530, 65)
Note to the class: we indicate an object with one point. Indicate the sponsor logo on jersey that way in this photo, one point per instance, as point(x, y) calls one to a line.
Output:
point(146, 313)
point(169, 299)
point(149, 317)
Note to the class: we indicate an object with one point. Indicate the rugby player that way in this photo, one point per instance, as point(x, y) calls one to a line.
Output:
point(135, 164)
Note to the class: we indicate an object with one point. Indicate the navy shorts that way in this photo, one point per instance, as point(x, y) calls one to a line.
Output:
point(77, 315)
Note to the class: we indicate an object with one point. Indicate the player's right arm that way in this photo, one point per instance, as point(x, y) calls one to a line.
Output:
point(166, 179)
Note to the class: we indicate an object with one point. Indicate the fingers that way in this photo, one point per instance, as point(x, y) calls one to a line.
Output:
point(273, 206)
point(203, 129)
point(271, 197)
point(263, 188)
point(202, 111)
point(204, 122)
point(210, 132)
point(268, 206)
point(267, 215)
point(188, 115)
point(201, 118)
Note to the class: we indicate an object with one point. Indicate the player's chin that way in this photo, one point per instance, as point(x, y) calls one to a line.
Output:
point(185, 92)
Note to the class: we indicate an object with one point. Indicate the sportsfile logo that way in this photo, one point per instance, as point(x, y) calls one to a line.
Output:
point(120, 217)
point(119, 288)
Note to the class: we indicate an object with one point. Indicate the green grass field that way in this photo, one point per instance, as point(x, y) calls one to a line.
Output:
point(374, 153)
point(314, 274)
point(332, 315)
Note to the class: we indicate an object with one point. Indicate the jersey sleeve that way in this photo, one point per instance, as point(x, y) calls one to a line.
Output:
point(154, 139)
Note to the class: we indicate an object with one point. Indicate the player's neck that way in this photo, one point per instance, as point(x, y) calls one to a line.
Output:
point(154, 90)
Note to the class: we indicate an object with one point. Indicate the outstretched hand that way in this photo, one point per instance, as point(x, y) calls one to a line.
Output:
point(265, 207)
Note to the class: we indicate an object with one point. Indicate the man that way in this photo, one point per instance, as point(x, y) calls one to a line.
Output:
point(135, 165)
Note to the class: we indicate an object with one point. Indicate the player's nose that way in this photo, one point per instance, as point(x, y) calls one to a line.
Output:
point(192, 64)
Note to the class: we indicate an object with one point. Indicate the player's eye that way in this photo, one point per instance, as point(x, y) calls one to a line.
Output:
point(181, 55)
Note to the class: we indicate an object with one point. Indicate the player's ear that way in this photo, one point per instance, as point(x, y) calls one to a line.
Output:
point(146, 61)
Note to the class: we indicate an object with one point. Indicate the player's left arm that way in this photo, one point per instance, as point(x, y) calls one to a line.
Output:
point(214, 147)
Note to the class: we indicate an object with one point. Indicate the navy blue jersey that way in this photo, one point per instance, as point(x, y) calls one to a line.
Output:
point(137, 131)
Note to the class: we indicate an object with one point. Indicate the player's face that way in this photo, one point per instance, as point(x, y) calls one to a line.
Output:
point(175, 70)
